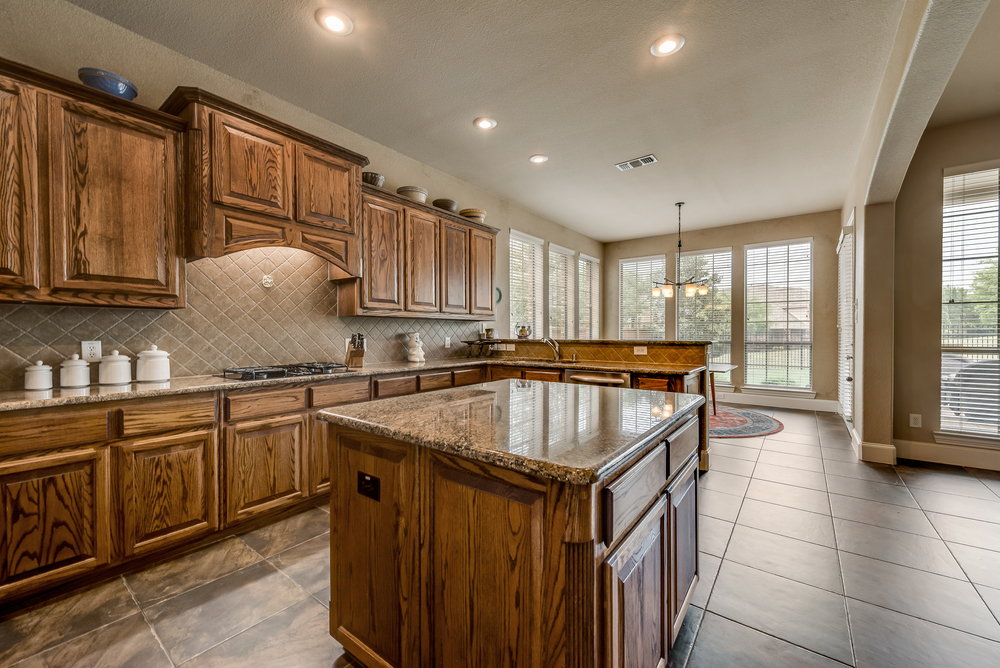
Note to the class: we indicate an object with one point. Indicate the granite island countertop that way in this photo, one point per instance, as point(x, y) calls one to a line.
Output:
point(578, 434)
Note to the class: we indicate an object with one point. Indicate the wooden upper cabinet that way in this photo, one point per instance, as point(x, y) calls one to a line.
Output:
point(327, 188)
point(18, 185)
point(251, 167)
point(454, 267)
point(383, 273)
point(482, 271)
point(115, 202)
point(421, 269)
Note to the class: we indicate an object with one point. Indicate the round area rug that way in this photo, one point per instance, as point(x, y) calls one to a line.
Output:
point(741, 423)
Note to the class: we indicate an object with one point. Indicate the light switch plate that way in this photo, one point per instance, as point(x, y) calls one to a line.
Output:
point(639, 350)
point(447, 342)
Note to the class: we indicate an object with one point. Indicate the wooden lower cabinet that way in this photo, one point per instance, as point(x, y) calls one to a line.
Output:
point(543, 374)
point(505, 372)
point(56, 519)
point(263, 465)
point(682, 570)
point(319, 457)
point(167, 489)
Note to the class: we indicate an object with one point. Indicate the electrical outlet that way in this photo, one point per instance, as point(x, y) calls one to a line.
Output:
point(916, 420)
point(447, 342)
point(90, 350)
point(639, 350)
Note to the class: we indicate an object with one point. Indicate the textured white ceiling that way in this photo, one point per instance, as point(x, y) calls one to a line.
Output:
point(974, 88)
point(760, 115)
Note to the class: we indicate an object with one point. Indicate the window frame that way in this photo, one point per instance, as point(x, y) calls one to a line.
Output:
point(571, 289)
point(720, 378)
point(594, 305)
point(540, 310)
point(643, 258)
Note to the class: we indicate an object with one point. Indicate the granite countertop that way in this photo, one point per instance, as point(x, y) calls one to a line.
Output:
point(24, 399)
point(578, 434)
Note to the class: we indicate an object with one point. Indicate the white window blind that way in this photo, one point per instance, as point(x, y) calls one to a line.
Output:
point(526, 284)
point(708, 317)
point(778, 345)
point(845, 326)
point(970, 351)
point(589, 278)
point(640, 315)
point(562, 293)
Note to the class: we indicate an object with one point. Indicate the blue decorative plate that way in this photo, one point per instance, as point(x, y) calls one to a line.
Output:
point(109, 82)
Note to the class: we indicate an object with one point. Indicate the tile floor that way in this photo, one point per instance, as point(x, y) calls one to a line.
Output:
point(812, 558)
point(809, 558)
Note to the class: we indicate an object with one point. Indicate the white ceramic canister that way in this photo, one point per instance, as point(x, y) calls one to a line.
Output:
point(38, 376)
point(152, 366)
point(115, 369)
point(74, 372)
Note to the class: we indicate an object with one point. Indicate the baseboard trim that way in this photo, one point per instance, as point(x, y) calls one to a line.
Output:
point(956, 455)
point(773, 401)
point(879, 453)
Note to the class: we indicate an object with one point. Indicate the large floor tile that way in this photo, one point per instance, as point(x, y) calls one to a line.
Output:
point(968, 532)
point(803, 498)
point(788, 476)
point(836, 443)
point(906, 549)
point(718, 505)
point(170, 578)
point(992, 598)
point(792, 448)
point(713, 535)
point(803, 615)
point(278, 537)
point(727, 483)
point(864, 471)
point(931, 597)
point(723, 643)
point(127, 642)
point(887, 639)
point(323, 596)
point(27, 632)
point(708, 565)
point(960, 506)
point(681, 650)
point(790, 558)
point(982, 566)
point(873, 491)
point(734, 451)
point(790, 522)
point(840, 455)
point(989, 478)
point(298, 636)
point(755, 442)
point(811, 438)
point(959, 482)
point(900, 518)
point(199, 619)
point(806, 463)
point(732, 465)
point(308, 563)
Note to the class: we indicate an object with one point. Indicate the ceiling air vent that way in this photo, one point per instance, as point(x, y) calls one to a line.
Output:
point(637, 162)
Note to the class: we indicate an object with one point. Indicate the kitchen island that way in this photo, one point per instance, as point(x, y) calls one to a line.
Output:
point(514, 523)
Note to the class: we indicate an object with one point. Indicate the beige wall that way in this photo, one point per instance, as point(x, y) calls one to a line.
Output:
point(30, 29)
point(824, 228)
point(917, 345)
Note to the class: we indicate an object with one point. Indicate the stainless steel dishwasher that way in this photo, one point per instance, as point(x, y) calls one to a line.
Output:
point(606, 378)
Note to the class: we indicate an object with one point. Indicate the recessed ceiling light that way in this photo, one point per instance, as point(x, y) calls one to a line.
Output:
point(484, 123)
point(336, 22)
point(667, 45)
point(538, 158)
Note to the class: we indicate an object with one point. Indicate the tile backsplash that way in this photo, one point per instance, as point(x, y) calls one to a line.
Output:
point(230, 320)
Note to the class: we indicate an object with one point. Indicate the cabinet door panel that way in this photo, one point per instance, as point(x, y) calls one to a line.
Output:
point(454, 267)
point(637, 631)
point(422, 253)
point(327, 190)
point(263, 465)
point(383, 270)
point(251, 167)
point(115, 202)
point(55, 520)
point(18, 185)
point(683, 571)
point(483, 260)
point(167, 489)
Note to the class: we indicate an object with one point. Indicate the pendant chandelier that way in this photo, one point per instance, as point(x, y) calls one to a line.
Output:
point(692, 285)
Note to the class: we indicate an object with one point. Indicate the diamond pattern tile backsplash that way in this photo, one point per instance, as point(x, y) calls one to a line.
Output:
point(230, 320)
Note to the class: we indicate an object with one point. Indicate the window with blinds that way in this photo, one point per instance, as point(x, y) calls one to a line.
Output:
point(778, 340)
point(589, 280)
point(845, 325)
point(640, 315)
point(708, 317)
point(562, 292)
point(970, 317)
point(527, 286)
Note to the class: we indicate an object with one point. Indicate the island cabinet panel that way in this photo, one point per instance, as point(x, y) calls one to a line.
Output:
point(18, 185)
point(263, 465)
point(167, 489)
point(251, 167)
point(55, 522)
point(632, 492)
point(454, 267)
point(482, 271)
point(423, 252)
point(636, 595)
point(327, 186)
point(486, 567)
point(374, 566)
point(383, 272)
point(682, 571)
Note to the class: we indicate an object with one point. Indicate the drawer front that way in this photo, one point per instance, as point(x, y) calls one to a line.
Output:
point(242, 406)
point(45, 429)
point(434, 381)
point(682, 443)
point(669, 384)
point(395, 387)
point(350, 391)
point(166, 415)
point(504, 372)
point(470, 376)
point(632, 492)
point(541, 374)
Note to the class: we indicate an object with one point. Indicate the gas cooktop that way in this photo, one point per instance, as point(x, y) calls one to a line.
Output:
point(283, 370)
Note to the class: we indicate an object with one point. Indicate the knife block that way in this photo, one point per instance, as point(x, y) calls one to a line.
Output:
point(355, 358)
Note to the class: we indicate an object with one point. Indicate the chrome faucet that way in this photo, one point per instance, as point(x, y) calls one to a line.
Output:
point(552, 343)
